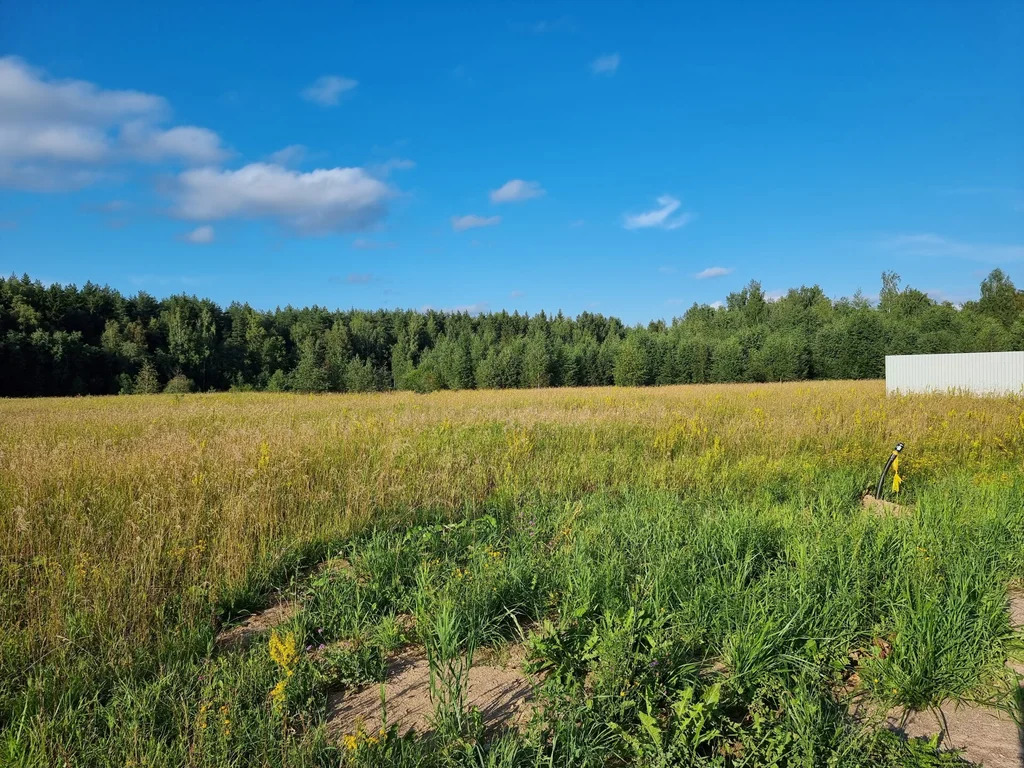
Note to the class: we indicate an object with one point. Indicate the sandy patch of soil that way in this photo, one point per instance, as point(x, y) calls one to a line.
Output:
point(883, 507)
point(984, 734)
point(335, 565)
point(1017, 609)
point(497, 687)
point(242, 635)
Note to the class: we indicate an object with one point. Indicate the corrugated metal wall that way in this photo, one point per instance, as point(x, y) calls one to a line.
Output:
point(979, 372)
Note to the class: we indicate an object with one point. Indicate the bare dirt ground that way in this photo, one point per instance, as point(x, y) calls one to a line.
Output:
point(499, 689)
point(242, 635)
point(883, 507)
point(503, 693)
point(985, 734)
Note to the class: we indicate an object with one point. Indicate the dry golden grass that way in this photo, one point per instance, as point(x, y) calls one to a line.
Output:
point(119, 512)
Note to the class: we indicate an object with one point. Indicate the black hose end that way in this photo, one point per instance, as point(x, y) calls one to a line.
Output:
point(892, 457)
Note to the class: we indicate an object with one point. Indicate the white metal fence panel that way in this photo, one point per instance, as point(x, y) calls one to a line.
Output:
point(977, 372)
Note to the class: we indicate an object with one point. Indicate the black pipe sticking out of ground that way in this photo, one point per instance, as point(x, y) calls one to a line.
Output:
point(892, 457)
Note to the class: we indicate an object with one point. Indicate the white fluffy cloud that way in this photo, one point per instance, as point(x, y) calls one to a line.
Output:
point(659, 218)
point(201, 235)
point(190, 143)
point(704, 274)
point(324, 200)
point(605, 65)
point(516, 190)
point(462, 223)
point(326, 91)
point(31, 97)
point(58, 134)
point(52, 142)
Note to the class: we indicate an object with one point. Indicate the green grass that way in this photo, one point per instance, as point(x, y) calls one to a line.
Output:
point(669, 632)
point(690, 570)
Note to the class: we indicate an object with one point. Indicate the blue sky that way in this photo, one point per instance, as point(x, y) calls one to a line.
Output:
point(580, 156)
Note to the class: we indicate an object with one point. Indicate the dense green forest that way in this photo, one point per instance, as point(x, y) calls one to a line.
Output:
point(64, 340)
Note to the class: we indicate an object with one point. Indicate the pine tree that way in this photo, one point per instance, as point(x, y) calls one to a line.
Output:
point(632, 363)
point(278, 381)
point(147, 382)
point(310, 375)
point(360, 376)
point(537, 363)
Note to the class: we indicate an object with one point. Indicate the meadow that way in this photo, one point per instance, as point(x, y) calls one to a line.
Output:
point(687, 571)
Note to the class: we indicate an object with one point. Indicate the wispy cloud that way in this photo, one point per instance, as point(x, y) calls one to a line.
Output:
point(288, 156)
point(111, 206)
point(471, 221)
point(392, 164)
point(958, 299)
point(704, 274)
point(516, 294)
point(365, 244)
point(516, 190)
point(473, 309)
point(661, 217)
point(931, 245)
point(327, 90)
point(607, 64)
point(717, 305)
point(201, 235)
point(544, 26)
point(576, 223)
point(358, 278)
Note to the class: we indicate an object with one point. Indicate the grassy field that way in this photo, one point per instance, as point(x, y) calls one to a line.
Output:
point(689, 569)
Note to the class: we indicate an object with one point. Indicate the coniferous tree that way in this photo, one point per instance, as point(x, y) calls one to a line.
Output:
point(537, 363)
point(632, 363)
point(310, 374)
point(62, 340)
point(146, 382)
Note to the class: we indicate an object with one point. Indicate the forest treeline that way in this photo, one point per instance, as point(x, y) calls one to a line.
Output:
point(65, 340)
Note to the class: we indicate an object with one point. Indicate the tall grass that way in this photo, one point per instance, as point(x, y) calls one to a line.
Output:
point(131, 525)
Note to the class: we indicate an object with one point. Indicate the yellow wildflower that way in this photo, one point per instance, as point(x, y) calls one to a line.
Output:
point(278, 692)
point(284, 651)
